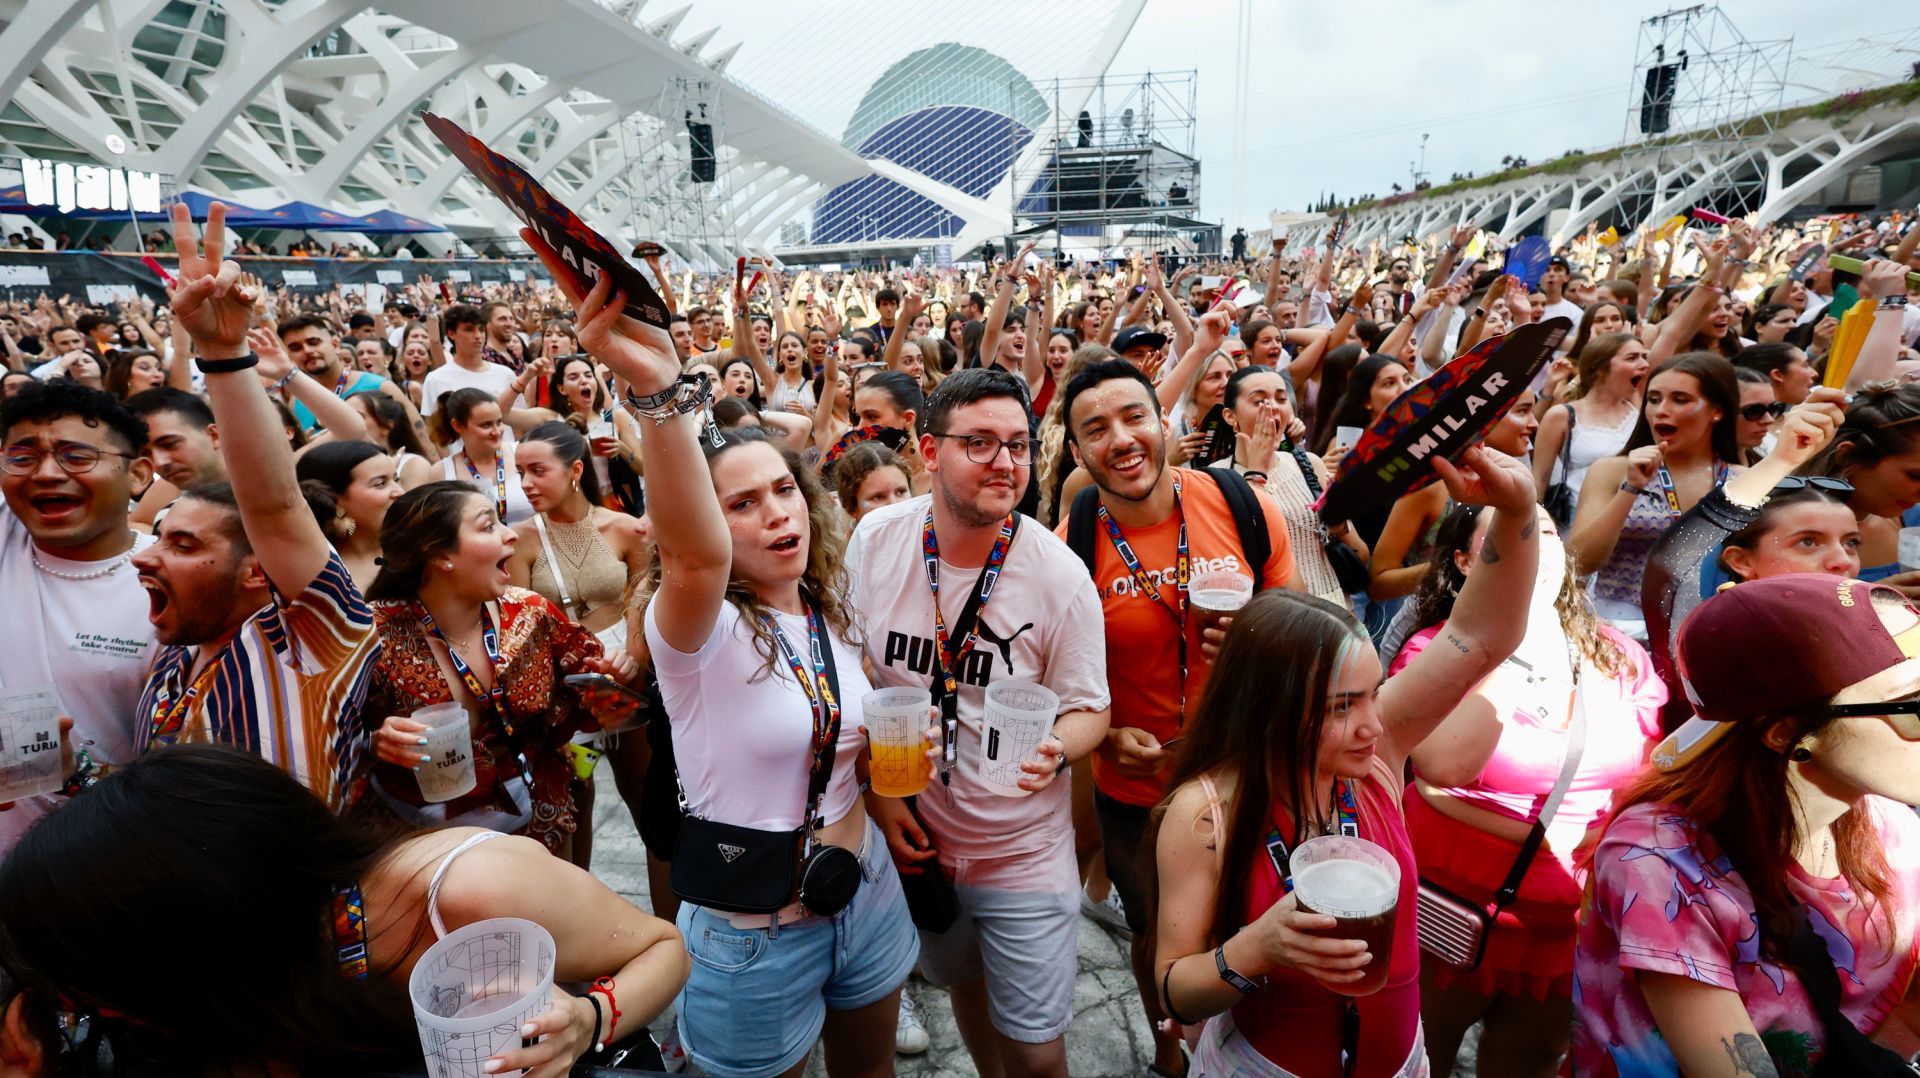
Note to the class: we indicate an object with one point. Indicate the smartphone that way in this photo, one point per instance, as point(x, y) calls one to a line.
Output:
point(602, 683)
point(1220, 439)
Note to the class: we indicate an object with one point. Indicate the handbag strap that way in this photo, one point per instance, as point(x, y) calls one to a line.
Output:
point(1808, 955)
point(553, 563)
point(1569, 766)
point(1566, 444)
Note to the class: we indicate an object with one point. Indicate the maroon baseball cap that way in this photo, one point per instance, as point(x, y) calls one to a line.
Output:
point(1780, 643)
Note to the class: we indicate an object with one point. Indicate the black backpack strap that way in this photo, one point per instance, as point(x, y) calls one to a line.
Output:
point(1249, 519)
point(1080, 519)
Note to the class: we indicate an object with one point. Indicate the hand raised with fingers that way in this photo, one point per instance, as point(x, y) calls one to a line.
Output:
point(206, 296)
point(640, 353)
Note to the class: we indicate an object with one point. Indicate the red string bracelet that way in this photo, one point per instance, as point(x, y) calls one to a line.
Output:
point(604, 986)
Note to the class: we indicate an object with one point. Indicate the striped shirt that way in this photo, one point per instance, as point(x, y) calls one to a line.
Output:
point(290, 686)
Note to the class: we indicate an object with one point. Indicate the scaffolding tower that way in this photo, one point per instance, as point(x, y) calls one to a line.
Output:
point(1120, 171)
point(1701, 88)
point(675, 201)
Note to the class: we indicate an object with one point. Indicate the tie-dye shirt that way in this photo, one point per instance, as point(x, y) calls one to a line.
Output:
point(1659, 903)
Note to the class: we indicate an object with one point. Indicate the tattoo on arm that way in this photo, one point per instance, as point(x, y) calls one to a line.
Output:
point(1526, 532)
point(1749, 1057)
point(1489, 552)
point(1458, 644)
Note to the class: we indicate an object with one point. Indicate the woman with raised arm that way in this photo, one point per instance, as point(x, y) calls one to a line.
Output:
point(750, 632)
point(1297, 736)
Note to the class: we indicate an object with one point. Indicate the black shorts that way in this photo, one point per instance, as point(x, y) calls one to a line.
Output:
point(1130, 861)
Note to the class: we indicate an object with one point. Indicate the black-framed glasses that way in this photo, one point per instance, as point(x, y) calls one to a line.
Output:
point(1827, 484)
point(74, 458)
point(985, 448)
point(1754, 413)
point(1903, 715)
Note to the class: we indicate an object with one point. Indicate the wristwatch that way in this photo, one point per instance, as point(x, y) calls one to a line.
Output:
point(1246, 985)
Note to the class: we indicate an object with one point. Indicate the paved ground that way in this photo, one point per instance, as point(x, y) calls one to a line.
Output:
point(1109, 1037)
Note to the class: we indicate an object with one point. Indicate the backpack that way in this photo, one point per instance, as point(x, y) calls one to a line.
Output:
point(1249, 520)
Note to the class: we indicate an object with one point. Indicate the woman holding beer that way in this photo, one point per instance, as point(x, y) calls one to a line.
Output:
point(1295, 737)
point(750, 631)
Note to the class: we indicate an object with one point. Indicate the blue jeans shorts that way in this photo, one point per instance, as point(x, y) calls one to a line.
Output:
point(757, 998)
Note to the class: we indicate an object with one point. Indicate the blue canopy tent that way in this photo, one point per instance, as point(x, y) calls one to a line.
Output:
point(387, 222)
point(305, 216)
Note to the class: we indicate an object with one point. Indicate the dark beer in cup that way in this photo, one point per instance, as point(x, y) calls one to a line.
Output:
point(1358, 884)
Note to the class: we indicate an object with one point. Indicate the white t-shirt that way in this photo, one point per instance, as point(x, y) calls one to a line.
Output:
point(1041, 624)
point(448, 377)
point(1566, 309)
point(742, 739)
point(90, 639)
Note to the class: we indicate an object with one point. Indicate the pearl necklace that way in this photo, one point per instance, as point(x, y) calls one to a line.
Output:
point(112, 566)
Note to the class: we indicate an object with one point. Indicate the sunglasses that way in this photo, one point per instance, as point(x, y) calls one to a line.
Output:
point(1839, 487)
point(1754, 413)
point(1902, 715)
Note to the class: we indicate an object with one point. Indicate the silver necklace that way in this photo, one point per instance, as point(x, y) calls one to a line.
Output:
point(94, 574)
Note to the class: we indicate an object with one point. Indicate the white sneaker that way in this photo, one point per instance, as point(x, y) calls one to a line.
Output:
point(909, 1036)
point(1109, 913)
point(673, 1055)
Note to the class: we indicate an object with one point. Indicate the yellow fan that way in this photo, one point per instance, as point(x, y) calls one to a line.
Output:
point(1608, 238)
point(1672, 226)
point(1846, 344)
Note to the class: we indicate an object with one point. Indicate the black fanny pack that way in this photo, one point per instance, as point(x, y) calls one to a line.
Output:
point(737, 869)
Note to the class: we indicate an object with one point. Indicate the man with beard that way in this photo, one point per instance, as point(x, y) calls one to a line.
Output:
point(959, 591)
point(501, 333)
point(76, 617)
point(267, 644)
point(310, 341)
point(1401, 285)
point(1154, 529)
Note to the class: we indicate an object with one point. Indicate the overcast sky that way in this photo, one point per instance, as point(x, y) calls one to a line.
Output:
point(1338, 95)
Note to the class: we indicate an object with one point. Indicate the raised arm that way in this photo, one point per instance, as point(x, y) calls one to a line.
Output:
point(1879, 355)
point(1403, 329)
point(1483, 630)
point(1033, 362)
point(1443, 266)
point(823, 408)
point(285, 538)
point(335, 416)
point(696, 550)
point(743, 342)
point(911, 304)
point(1175, 310)
point(1206, 341)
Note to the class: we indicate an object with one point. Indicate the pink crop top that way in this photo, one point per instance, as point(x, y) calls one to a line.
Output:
point(1623, 723)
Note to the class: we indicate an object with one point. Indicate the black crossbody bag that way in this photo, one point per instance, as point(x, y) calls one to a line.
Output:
point(736, 869)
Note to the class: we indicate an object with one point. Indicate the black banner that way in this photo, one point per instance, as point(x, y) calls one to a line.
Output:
point(102, 279)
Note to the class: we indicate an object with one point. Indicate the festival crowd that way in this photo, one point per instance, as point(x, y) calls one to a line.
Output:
point(1618, 717)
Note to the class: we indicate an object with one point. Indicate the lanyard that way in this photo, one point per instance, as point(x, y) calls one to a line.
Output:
point(1349, 815)
point(340, 387)
point(950, 656)
point(1673, 497)
point(499, 481)
point(490, 640)
point(170, 715)
point(350, 931)
point(820, 694)
point(1143, 584)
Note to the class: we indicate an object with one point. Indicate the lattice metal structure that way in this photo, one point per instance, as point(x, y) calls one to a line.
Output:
point(1119, 171)
point(668, 198)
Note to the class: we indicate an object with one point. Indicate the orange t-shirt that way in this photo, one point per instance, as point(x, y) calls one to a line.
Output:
point(1143, 654)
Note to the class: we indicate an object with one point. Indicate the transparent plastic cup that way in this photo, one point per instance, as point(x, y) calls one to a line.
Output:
point(1216, 597)
point(1019, 715)
point(29, 743)
point(1909, 549)
point(897, 721)
point(475, 988)
point(1357, 883)
point(449, 771)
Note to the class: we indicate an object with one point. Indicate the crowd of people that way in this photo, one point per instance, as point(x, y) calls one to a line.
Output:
point(1626, 703)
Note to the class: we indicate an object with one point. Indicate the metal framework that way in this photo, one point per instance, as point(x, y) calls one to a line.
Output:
point(1121, 169)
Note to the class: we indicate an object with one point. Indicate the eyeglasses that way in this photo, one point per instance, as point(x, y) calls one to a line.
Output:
point(985, 449)
point(1754, 413)
point(1903, 715)
point(74, 458)
point(1839, 487)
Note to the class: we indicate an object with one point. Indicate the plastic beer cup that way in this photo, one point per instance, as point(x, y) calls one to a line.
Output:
point(1357, 883)
point(1216, 597)
point(449, 771)
point(897, 721)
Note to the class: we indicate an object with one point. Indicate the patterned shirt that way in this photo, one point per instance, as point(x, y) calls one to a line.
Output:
point(1663, 898)
point(290, 686)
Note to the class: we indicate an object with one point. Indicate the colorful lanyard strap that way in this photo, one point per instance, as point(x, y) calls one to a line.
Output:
point(819, 689)
point(489, 640)
point(499, 482)
point(950, 656)
point(350, 931)
point(1144, 585)
point(1349, 813)
point(170, 715)
point(340, 387)
point(1673, 496)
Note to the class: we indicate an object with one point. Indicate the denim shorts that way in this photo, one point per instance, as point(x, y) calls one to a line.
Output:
point(757, 999)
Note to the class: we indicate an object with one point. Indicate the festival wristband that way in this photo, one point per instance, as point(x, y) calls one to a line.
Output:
point(227, 366)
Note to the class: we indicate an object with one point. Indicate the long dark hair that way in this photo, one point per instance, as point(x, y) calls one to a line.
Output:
point(1260, 719)
point(394, 417)
point(199, 910)
point(1350, 410)
point(1883, 420)
point(1334, 371)
point(421, 525)
point(568, 440)
point(1433, 601)
point(1714, 374)
point(559, 378)
point(455, 406)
